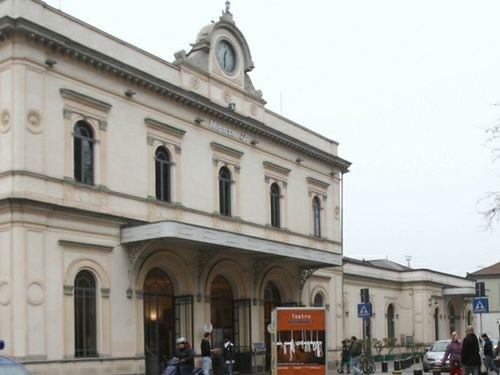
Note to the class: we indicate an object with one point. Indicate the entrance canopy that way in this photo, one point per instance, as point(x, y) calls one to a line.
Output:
point(213, 238)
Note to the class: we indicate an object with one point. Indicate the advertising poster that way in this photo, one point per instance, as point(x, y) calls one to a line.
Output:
point(299, 341)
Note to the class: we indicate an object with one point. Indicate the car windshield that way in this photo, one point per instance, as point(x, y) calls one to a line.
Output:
point(439, 346)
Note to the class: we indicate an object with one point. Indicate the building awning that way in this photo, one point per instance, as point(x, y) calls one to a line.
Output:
point(452, 292)
point(208, 237)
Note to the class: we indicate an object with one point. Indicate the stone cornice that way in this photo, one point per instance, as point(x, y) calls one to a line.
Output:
point(59, 44)
point(176, 132)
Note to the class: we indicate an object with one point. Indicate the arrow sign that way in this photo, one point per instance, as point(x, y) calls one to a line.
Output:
point(480, 305)
point(364, 310)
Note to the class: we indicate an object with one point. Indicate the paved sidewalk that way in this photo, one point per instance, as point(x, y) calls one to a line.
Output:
point(390, 369)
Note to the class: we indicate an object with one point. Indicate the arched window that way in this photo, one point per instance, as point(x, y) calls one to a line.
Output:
point(316, 208)
point(390, 321)
point(225, 191)
point(162, 174)
point(85, 315)
point(319, 301)
point(83, 149)
point(275, 205)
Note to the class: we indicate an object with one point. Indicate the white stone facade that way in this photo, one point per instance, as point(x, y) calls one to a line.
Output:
point(67, 88)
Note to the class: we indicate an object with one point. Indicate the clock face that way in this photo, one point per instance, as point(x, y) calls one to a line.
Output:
point(226, 57)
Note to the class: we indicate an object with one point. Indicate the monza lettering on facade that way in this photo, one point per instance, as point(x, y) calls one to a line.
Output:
point(214, 125)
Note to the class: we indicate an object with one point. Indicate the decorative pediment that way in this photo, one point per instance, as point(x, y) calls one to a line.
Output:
point(85, 100)
point(161, 126)
point(317, 183)
point(231, 152)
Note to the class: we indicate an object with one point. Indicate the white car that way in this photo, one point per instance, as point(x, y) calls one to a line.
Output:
point(434, 355)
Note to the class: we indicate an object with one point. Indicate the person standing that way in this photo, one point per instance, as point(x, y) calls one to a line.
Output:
point(185, 355)
point(453, 351)
point(469, 354)
point(206, 353)
point(346, 356)
point(228, 356)
point(356, 350)
point(488, 354)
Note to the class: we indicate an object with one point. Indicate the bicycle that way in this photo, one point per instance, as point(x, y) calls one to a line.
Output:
point(366, 364)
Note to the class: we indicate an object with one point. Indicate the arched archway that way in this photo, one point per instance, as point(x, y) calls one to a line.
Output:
point(159, 332)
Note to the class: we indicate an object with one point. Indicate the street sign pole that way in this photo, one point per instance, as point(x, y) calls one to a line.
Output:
point(480, 324)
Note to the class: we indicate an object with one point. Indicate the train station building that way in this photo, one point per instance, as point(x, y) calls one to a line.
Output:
point(143, 200)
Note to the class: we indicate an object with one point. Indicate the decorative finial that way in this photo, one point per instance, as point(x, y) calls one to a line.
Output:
point(227, 16)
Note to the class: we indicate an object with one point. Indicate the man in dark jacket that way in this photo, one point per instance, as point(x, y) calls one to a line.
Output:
point(471, 360)
point(356, 350)
point(206, 353)
point(488, 354)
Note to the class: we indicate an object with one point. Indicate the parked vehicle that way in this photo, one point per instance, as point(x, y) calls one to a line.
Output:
point(9, 366)
point(433, 356)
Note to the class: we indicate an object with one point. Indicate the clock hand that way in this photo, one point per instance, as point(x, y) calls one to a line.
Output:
point(225, 54)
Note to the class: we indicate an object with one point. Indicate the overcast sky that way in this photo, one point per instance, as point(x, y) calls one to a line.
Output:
point(407, 87)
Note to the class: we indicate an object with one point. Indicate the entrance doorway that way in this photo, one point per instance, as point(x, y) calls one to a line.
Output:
point(221, 311)
point(159, 332)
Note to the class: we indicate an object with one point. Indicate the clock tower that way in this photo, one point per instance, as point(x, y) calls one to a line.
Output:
point(221, 59)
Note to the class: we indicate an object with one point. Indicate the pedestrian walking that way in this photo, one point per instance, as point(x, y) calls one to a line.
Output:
point(453, 354)
point(206, 353)
point(345, 357)
point(470, 357)
point(488, 354)
point(228, 356)
point(356, 350)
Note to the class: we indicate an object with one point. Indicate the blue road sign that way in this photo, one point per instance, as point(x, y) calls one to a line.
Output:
point(480, 305)
point(364, 310)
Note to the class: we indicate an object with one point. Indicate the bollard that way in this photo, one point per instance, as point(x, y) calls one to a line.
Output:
point(418, 372)
point(384, 366)
point(417, 359)
point(397, 365)
point(436, 371)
